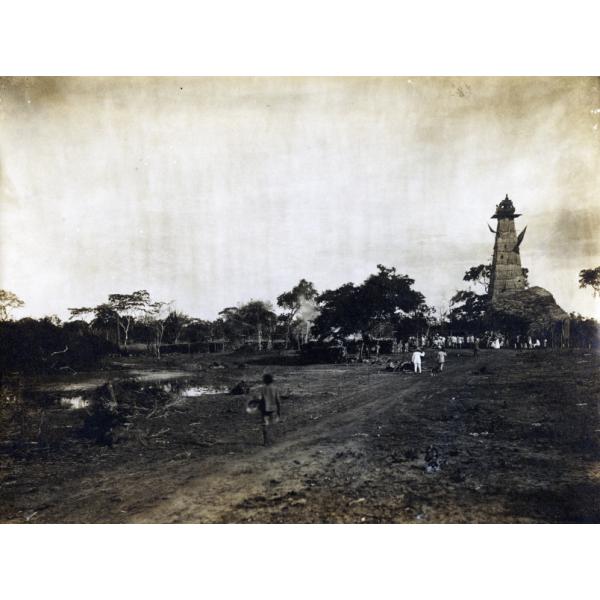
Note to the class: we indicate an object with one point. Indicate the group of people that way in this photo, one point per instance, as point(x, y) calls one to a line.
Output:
point(269, 401)
point(436, 341)
point(489, 339)
point(520, 342)
point(415, 362)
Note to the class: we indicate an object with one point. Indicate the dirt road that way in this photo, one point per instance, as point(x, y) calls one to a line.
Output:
point(516, 437)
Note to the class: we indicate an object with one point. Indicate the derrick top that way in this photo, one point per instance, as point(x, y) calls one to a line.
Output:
point(505, 210)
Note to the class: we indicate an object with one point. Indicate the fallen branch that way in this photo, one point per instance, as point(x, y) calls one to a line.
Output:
point(161, 432)
point(60, 351)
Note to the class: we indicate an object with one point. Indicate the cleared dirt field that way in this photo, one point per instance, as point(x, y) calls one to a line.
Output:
point(517, 436)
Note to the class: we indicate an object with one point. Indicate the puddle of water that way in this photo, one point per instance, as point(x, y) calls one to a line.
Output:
point(75, 402)
point(200, 390)
point(91, 382)
point(76, 386)
point(158, 375)
point(304, 371)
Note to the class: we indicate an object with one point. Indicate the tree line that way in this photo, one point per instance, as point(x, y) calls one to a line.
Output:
point(385, 304)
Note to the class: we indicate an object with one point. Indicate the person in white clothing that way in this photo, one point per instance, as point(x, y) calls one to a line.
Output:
point(416, 359)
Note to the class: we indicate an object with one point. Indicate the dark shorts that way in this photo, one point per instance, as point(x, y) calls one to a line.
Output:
point(268, 416)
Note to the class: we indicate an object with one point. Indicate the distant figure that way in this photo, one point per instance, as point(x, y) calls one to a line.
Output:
point(545, 343)
point(476, 348)
point(270, 402)
point(496, 344)
point(416, 359)
point(441, 359)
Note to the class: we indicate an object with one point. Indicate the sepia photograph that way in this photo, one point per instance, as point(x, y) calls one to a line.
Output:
point(299, 300)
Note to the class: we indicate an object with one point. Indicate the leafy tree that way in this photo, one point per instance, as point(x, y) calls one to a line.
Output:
point(105, 319)
point(79, 327)
point(155, 316)
point(468, 307)
point(231, 324)
point(294, 301)
point(261, 318)
point(80, 311)
point(340, 314)
point(420, 321)
point(253, 318)
point(128, 307)
point(479, 275)
point(8, 301)
point(383, 297)
point(590, 278)
point(585, 332)
point(175, 323)
point(198, 330)
point(467, 310)
point(217, 329)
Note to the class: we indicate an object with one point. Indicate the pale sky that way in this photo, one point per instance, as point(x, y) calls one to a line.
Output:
point(213, 191)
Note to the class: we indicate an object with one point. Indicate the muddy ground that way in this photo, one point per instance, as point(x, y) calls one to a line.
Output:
point(516, 435)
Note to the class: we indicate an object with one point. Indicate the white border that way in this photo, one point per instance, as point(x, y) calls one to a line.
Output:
point(298, 562)
point(313, 37)
point(298, 38)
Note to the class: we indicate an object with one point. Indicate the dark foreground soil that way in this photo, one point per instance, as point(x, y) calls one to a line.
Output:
point(517, 437)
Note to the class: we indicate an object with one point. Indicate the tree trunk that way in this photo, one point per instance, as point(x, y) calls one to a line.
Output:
point(287, 333)
point(126, 331)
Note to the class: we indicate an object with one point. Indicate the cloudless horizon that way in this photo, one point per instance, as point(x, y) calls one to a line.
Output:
point(214, 191)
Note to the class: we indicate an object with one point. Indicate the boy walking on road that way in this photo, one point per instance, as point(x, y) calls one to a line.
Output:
point(270, 402)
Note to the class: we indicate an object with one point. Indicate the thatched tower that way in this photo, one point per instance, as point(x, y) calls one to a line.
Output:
point(507, 275)
point(509, 296)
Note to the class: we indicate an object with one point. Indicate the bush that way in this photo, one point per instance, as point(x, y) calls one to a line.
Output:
point(38, 346)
